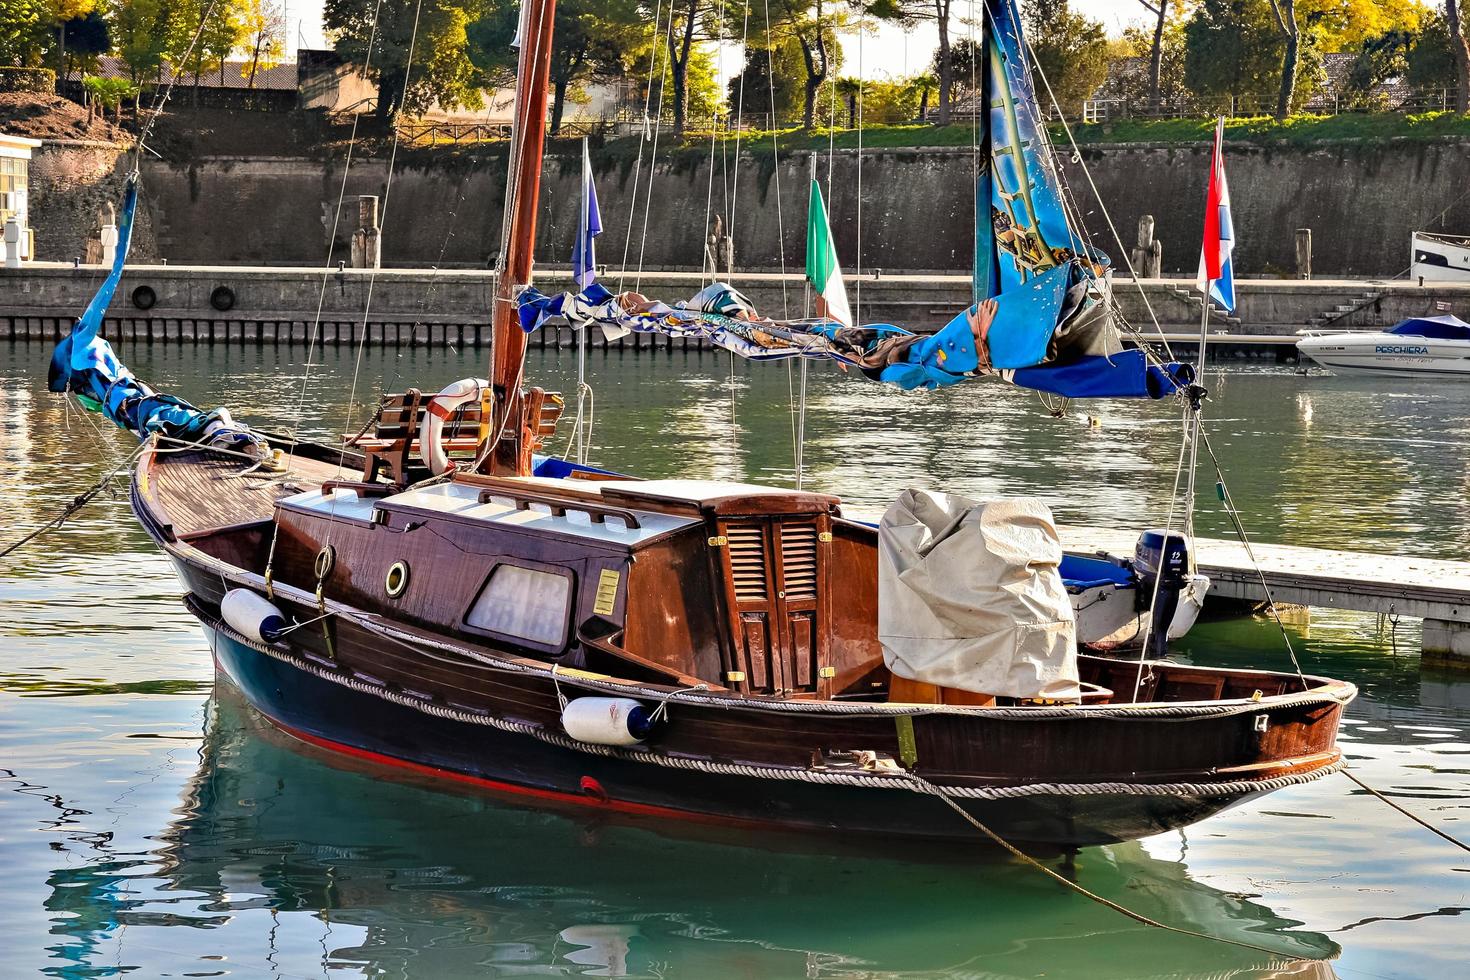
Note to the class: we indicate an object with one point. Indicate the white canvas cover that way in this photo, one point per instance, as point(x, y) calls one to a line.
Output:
point(970, 596)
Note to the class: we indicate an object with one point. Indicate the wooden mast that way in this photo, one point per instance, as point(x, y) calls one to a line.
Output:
point(511, 453)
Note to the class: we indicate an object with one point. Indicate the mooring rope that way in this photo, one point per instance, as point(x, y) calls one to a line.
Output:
point(922, 785)
point(1412, 816)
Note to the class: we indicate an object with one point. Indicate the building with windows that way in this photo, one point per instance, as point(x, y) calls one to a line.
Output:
point(15, 175)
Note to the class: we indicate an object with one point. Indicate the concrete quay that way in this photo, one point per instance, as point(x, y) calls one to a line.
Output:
point(427, 307)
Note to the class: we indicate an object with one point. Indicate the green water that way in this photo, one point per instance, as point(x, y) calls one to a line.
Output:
point(148, 827)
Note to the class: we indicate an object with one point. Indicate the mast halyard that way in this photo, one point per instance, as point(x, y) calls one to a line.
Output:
point(510, 439)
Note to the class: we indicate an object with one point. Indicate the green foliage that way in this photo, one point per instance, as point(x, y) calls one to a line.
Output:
point(144, 32)
point(441, 70)
point(22, 32)
point(41, 81)
point(1298, 130)
point(752, 90)
point(1429, 60)
point(109, 92)
point(1232, 48)
point(1071, 51)
point(593, 40)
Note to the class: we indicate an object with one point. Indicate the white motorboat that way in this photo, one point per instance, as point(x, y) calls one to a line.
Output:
point(1121, 602)
point(1436, 345)
point(1440, 258)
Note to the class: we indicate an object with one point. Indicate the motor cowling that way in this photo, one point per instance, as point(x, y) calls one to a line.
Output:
point(1163, 562)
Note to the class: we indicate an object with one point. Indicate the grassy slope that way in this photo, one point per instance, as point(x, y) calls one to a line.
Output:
point(1298, 130)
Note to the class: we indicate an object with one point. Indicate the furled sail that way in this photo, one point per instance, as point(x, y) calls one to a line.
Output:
point(1043, 314)
point(86, 365)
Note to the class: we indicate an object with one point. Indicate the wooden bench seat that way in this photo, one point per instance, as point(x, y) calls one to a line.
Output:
point(392, 442)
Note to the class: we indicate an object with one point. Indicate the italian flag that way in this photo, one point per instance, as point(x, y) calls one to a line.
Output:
point(822, 270)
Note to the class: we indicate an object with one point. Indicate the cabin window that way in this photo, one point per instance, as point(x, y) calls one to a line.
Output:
point(524, 604)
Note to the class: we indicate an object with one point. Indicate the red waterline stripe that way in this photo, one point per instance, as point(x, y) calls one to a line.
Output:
point(514, 789)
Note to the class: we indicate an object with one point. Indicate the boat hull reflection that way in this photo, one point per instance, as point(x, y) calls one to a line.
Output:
point(456, 884)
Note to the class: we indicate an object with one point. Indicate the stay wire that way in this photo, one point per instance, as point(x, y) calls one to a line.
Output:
point(653, 50)
point(1250, 551)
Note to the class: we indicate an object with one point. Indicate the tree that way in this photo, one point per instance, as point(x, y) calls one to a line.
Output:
point(812, 28)
point(440, 70)
point(57, 14)
point(84, 39)
point(755, 88)
point(593, 40)
point(1285, 13)
point(1139, 87)
point(965, 65)
point(1071, 52)
point(1161, 10)
point(24, 26)
point(1232, 48)
point(1431, 62)
point(910, 12)
point(1461, 53)
point(265, 28)
point(144, 32)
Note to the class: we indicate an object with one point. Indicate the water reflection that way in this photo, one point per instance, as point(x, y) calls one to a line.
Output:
point(281, 855)
point(282, 864)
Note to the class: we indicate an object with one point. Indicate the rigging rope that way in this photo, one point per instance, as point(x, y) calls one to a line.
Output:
point(1097, 195)
point(643, 136)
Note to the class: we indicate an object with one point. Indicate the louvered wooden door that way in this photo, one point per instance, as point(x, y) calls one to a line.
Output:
point(775, 569)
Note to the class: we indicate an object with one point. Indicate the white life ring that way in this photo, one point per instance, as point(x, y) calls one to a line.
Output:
point(441, 406)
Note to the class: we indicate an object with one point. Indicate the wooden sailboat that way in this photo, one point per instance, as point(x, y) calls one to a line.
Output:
point(685, 649)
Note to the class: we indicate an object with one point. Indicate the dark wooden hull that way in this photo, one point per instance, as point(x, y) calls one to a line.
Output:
point(457, 706)
point(339, 718)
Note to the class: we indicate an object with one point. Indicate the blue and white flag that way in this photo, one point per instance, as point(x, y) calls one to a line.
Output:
point(589, 226)
point(1215, 266)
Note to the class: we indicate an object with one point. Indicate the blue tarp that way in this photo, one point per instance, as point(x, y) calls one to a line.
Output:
point(85, 364)
point(1434, 328)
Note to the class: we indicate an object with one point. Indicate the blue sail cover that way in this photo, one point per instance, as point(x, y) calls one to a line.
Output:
point(85, 364)
point(1052, 331)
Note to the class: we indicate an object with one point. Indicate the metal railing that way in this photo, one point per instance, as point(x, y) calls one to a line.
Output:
point(1325, 104)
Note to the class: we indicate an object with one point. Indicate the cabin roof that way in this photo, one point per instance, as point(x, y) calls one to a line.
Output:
point(463, 501)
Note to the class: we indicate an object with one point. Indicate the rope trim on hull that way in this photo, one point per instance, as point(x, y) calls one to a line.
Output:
point(898, 781)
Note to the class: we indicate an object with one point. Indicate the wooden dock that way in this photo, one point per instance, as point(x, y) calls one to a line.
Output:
point(1430, 589)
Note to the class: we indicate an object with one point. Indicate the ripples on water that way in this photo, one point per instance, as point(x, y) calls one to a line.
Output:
point(148, 828)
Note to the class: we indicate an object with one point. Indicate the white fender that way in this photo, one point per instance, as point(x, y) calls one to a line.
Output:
point(252, 615)
point(606, 721)
point(441, 406)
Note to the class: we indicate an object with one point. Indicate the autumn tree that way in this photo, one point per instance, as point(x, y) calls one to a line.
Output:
point(144, 32)
point(592, 40)
point(1166, 14)
point(22, 31)
point(412, 70)
point(265, 42)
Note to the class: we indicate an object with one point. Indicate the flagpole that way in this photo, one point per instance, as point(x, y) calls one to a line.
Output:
point(582, 240)
point(1196, 409)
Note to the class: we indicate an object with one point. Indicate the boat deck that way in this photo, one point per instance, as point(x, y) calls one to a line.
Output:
point(203, 491)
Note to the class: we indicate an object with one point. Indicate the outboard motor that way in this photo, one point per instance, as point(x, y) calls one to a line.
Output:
point(1162, 562)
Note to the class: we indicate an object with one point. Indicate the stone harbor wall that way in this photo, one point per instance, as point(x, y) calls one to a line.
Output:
point(72, 182)
point(1361, 202)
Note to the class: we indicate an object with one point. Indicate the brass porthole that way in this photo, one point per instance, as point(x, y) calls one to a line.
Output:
point(397, 579)
point(326, 560)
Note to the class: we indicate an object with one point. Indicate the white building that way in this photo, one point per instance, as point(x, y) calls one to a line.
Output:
point(15, 176)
